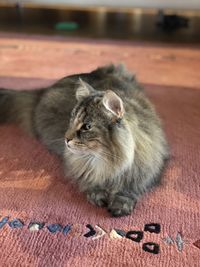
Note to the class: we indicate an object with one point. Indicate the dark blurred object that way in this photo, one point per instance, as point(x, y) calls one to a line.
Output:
point(171, 22)
point(20, 12)
point(132, 24)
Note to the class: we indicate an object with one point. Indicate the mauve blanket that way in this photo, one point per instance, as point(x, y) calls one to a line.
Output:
point(44, 220)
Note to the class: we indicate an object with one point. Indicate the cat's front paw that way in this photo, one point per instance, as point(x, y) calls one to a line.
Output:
point(121, 206)
point(98, 198)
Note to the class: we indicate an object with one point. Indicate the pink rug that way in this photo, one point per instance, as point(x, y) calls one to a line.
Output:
point(44, 220)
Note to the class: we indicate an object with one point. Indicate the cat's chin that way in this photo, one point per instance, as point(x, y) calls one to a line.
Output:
point(76, 151)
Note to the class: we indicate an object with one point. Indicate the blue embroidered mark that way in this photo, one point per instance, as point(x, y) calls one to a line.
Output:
point(97, 232)
point(178, 241)
point(67, 229)
point(120, 232)
point(16, 223)
point(53, 228)
point(3, 221)
point(168, 240)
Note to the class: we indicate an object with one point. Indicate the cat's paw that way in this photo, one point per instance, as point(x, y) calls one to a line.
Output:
point(99, 198)
point(121, 206)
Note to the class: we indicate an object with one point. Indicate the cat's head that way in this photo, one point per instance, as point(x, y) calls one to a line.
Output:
point(98, 128)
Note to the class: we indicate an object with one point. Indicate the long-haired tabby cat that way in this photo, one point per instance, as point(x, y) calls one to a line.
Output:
point(104, 128)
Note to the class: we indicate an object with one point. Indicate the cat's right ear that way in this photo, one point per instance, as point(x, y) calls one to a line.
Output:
point(113, 103)
point(83, 90)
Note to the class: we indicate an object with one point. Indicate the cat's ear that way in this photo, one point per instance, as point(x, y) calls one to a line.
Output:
point(113, 103)
point(83, 90)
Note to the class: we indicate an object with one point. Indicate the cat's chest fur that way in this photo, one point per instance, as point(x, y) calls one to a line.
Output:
point(91, 171)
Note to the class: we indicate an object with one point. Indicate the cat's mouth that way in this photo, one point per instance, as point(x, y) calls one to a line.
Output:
point(74, 148)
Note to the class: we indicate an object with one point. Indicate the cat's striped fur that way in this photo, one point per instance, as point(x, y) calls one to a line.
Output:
point(104, 128)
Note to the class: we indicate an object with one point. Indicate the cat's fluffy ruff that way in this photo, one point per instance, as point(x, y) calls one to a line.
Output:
point(104, 128)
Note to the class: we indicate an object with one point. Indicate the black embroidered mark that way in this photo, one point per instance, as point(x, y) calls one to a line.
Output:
point(92, 232)
point(16, 223)
point(53, 228)
point(135, 236)
point(3, 221)
point(152, 228)
point(151, 247)
point(97, 232)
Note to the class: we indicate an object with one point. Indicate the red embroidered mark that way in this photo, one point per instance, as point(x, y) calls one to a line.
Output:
point(197, 243)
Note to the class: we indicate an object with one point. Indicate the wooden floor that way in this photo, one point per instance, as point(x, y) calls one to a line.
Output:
point(128, 25)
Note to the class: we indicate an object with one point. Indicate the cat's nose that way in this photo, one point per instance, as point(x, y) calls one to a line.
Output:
point(68, 136)
point(67, 140)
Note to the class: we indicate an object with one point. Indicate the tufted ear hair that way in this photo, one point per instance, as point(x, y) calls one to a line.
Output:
point(83, 90)
point(113, 103)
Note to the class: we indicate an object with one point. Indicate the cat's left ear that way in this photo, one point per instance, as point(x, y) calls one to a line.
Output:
point(83, 90)
point(113, 103)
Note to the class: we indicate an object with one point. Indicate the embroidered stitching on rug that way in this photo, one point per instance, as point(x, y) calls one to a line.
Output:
point(178, 241)
point(98, 232)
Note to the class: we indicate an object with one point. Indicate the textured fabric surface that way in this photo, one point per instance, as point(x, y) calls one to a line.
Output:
point(44, 220)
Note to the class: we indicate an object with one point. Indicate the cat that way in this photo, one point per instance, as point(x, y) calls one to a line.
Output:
point(102, 126)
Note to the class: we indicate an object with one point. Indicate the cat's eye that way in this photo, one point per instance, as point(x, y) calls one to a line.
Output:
point(86, 126)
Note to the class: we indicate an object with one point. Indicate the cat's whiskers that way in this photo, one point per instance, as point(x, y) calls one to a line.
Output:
point(113, 156)
point(99, 157)
point(56, 140)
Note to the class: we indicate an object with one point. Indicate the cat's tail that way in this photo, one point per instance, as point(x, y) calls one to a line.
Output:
point(18, 107)
point(8, 106)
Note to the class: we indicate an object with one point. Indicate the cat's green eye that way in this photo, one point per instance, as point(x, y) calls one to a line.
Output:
point(86, 126)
